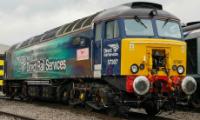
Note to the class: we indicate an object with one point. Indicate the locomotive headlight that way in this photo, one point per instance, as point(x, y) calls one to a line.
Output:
point(189, 85)
point(141, 85)
point(180, 69)
point(134, 68)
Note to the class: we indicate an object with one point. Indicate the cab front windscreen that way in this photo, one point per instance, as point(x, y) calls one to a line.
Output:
point(148, 28)
point(142, 27)
point(168, 28)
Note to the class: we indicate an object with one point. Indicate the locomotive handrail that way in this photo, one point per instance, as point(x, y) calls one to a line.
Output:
point(91, 54)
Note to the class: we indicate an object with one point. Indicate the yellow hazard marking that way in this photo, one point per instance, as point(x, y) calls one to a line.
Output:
point(1, 72)
point(2, 62)
point(1, 82)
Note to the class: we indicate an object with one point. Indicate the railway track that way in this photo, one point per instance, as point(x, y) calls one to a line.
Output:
point(15, 116)
point(12, 115)
point(71, 113)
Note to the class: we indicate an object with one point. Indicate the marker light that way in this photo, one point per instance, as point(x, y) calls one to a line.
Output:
point(180, 69)
point(142, 66)
point(134, 68)
point(174, 67)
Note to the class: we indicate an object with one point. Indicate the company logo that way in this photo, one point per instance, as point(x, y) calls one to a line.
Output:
point(115, 47)
point(82, 54)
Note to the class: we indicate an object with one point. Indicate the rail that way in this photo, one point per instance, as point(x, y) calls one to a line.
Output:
point(15, 116)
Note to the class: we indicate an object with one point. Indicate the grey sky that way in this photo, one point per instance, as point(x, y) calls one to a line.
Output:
point(22, 19)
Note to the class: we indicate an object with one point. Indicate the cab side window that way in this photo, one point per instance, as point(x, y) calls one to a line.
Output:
point(98, 30)
point(112, 29)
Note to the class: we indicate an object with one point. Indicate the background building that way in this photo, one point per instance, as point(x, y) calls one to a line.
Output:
point(3, 48)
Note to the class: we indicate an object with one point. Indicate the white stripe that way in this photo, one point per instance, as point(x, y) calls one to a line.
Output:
point(97, 67)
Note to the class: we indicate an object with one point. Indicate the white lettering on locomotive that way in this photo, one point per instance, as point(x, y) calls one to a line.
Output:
point(41, 65)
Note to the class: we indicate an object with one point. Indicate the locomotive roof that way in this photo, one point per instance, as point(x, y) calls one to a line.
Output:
point(140, 9)
point(125, 10)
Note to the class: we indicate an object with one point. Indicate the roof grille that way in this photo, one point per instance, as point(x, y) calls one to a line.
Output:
point(146, 5)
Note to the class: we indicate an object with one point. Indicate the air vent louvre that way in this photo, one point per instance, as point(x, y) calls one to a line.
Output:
point(147, 5)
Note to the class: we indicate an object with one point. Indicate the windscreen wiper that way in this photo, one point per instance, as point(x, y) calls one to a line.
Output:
point(166, 21)
point(137, 19)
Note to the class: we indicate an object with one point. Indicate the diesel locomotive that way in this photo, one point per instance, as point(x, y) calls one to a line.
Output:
point(192, 35)
point(129, 56)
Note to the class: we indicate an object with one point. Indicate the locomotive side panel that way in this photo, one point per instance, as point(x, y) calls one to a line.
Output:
point(63, 57)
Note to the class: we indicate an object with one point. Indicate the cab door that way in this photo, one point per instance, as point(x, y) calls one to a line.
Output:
point(97, 50)
point(111, 45)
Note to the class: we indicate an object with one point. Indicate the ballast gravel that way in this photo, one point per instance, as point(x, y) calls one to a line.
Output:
point(55, 111)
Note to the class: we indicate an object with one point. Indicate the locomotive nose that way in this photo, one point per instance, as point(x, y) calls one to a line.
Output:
point(189, 85)
point(141, 85)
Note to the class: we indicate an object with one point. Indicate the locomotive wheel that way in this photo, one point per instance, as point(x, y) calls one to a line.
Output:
point(12, 97)
point(124, 111)
point(195, 102)
point(113, 111)
point(65, 97)
point(24, 94)
point(151, 108)
point(88, 108)
point(13, 94)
